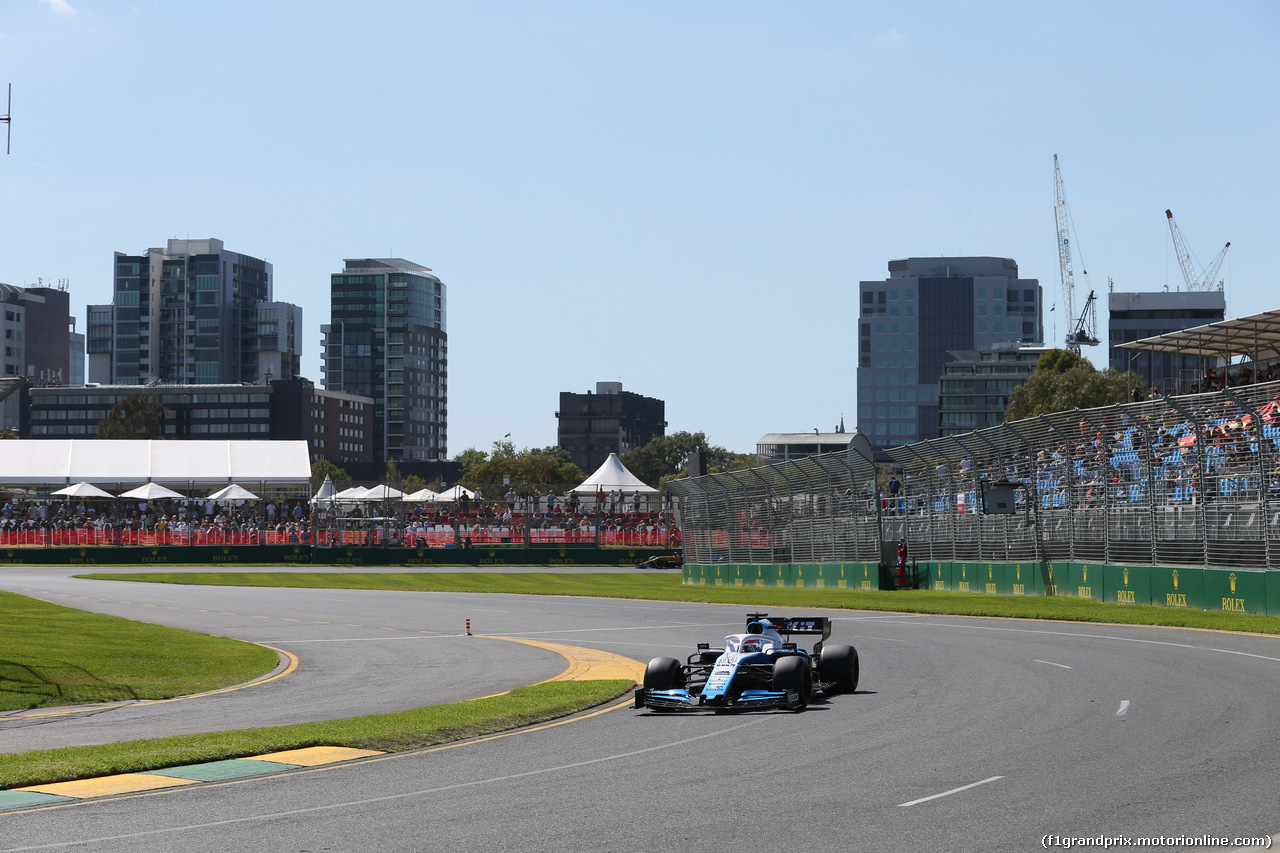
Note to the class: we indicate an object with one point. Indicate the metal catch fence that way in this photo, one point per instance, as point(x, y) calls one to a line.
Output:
point(1188, 480)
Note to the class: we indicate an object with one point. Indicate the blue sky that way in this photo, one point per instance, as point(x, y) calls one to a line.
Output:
point(680, 196)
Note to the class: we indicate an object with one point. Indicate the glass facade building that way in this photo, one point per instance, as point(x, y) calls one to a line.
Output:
point(910, 324)
point(388, 340)
point(1134, 316)
point(193, 313)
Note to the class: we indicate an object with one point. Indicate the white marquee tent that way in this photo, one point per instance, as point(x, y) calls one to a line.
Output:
point(613, 475)
point(61, 462)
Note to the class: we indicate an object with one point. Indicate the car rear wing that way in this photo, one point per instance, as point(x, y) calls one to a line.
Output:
point(796, 624)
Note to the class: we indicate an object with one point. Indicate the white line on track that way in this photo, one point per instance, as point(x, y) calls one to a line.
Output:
point(97, 843)
point(1124, 707)
point(949, 793)
point(1051, 663)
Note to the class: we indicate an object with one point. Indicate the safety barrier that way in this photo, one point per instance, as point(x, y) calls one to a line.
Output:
point(1221, 590)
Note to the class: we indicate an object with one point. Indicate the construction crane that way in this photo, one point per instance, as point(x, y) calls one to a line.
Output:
point(1205, 280)
point(1085, 330)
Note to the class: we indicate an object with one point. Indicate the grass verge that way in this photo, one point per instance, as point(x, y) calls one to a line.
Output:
point(53, 655)
point(396, 732)
point(668, 587)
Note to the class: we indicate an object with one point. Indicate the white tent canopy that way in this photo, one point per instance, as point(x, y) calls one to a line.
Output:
point(83, 490)
point(612, 475)
point(324, 495)
point(232, 493)
point(151, 492)
point(421, 495)
point(455, 493)
point(205, 464)
point(381, 493)
point(354, 493)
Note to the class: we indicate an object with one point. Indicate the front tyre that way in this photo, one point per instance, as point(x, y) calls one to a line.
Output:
point(838, 665)
point(663, 674)
point(792, 674)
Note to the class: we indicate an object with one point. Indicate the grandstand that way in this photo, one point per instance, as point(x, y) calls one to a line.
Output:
point(1187, 480)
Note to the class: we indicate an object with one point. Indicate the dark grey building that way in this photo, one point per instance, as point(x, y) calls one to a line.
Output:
point(1134, 316)
point(388, 340)
point(194, 313)
point(974, 390)
point(909, 324)
point(336, 426)
point(40, 342)
point(591, 426)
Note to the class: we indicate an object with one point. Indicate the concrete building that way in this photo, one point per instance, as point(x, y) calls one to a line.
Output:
point(591, 426)
point(193, 312)
point(40, 342)
point(388, 340)
point(336, 426)
point(1134, 316)
point(974, 390)
point(909, 324)
point(786, 446)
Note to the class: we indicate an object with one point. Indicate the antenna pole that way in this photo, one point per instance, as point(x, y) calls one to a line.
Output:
point(8, 125)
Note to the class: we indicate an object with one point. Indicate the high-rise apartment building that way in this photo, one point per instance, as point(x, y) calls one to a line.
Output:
point(909, 324)
point(591, 426)
point(975, 387)
point(1134, 316)
point(193, 312)
point(388, 340)
point(39, 342)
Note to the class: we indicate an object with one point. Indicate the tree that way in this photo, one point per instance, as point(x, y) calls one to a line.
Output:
point(469, 459)
point(1064, 380)
point(321, 467)
point(136, 416)
point(548, 466)
point(667, 456)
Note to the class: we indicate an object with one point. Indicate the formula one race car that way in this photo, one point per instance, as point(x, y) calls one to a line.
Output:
point(756, 669)
point(662, 561)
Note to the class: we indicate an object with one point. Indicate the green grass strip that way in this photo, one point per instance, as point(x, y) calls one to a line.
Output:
point(668, 587)
point(395, 732)
point(53, 655)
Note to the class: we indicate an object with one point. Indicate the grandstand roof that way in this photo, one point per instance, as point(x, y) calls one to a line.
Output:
point(1257, 335)
point(203, 463)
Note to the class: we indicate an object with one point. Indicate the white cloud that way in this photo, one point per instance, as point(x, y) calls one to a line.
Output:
point(892, 35)
point(59, 7)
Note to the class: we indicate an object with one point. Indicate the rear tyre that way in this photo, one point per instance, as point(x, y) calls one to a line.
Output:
point(838, 665)
point(662, 674)
point(792, 674)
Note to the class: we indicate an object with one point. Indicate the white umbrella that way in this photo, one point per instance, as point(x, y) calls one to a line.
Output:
point(232, 493)
point(324, 495)
point(381, 493)
point(151, 492)
point(421, 495)
point(83, 490)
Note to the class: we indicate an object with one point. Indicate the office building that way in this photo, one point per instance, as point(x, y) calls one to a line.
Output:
point(39, 342)
point(388, 340)
point(910, 323)
point(591, 426)
point(193, 312)
point(1134, 316)
point(974, 390)
point(336, 426)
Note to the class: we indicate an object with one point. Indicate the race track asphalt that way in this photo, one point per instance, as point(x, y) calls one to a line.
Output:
point(965, 734)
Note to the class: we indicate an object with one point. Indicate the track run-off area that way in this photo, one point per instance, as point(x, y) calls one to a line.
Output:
point(965, 733)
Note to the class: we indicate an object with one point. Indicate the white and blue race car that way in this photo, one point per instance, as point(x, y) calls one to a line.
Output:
point(761, 668)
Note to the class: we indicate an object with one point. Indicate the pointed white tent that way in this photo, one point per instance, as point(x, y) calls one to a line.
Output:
point(150, 492)
point(420, 495)
point(381, 493)
point(455, 493)
point(232, 493)
point(83, 490)
point(324, 495)
point(613, 475)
